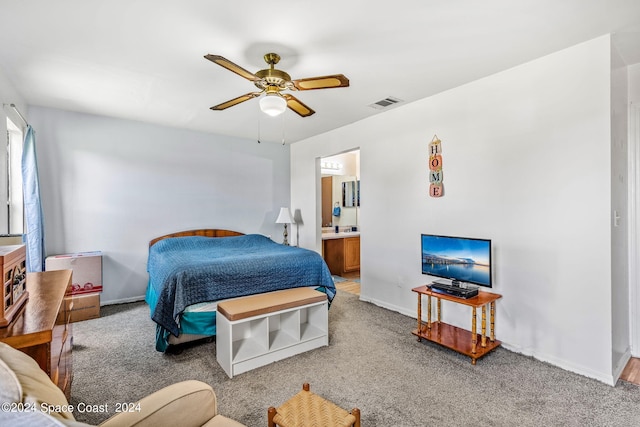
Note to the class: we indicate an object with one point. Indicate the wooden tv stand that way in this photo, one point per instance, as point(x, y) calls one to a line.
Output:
point(458, 339)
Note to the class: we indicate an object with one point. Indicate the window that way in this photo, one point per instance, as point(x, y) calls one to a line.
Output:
point(12, 217)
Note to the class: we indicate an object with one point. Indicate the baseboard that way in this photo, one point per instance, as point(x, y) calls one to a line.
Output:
point(563, 364)
point(560, 363)
point(122, 301)
point(608, 379)
point(384, 304)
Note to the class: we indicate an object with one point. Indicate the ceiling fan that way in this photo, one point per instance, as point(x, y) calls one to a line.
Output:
point(272, 82)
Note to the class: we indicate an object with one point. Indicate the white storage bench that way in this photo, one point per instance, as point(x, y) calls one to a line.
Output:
point(260, 329)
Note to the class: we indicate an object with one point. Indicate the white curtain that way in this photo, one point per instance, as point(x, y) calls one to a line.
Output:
point(34, 233)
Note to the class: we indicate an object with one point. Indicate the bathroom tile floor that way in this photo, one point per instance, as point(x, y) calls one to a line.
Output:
point(351, 283)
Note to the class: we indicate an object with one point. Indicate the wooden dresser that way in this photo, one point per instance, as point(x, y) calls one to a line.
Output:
point(14, 294)
point(43, 330)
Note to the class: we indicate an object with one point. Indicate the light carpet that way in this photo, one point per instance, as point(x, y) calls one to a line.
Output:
point(373, 362)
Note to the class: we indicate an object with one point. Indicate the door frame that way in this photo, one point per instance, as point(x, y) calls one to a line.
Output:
point(634, 228)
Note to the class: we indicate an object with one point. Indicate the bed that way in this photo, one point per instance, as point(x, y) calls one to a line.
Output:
point(191, 271)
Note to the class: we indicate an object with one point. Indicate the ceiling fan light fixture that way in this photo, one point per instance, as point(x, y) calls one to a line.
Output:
point(273, 104)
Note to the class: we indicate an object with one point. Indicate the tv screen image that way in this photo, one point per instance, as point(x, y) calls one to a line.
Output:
point(460, 259)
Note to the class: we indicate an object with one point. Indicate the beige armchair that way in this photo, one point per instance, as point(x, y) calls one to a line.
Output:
point(28, 397)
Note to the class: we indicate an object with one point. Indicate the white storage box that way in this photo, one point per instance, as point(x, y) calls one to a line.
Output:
point(87, 270)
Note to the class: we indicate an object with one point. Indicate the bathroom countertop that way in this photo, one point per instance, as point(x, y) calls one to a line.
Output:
point(341, 235)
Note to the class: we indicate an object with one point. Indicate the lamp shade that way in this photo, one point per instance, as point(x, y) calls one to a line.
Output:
point(285, 217)
point(273, 104)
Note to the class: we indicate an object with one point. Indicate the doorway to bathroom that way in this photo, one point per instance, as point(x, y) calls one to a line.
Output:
point(340, 175)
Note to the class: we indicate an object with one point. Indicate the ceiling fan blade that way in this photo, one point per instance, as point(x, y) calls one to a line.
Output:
point(224, 62)
point(236, 101)
point(324, 82)
point(296, 105)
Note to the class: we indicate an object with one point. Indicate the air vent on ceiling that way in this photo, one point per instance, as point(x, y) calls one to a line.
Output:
point(386, 103)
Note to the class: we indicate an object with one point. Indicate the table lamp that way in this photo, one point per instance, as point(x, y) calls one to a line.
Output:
point(285, 218)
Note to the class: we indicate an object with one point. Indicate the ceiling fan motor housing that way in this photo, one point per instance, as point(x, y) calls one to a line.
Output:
point(272, 77)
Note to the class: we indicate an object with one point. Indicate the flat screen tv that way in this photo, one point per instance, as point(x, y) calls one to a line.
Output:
point(460, 259)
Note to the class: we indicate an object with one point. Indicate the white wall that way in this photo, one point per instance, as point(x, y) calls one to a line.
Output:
point(527, 163)
point(112, 185)
point(9, 95)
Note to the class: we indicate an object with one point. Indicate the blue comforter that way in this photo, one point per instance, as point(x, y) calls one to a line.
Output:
point(189, 270)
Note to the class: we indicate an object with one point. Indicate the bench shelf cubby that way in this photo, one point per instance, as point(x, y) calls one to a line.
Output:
point(245, 343)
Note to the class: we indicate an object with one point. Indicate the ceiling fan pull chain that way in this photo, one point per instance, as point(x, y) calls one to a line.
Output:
point(259, 129)
point(282, 123)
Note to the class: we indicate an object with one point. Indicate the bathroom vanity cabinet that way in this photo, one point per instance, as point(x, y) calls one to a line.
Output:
point(342, 254)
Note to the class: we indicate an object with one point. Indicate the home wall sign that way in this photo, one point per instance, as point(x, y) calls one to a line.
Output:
point(436, 188)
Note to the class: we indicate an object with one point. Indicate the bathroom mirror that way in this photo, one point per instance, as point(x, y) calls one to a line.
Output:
point(336, 170)
point(351, 194)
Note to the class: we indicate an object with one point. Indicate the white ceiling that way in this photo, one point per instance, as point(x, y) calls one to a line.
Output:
point(143, 59)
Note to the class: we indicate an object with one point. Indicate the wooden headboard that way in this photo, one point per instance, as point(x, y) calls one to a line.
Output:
point(206, 232)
